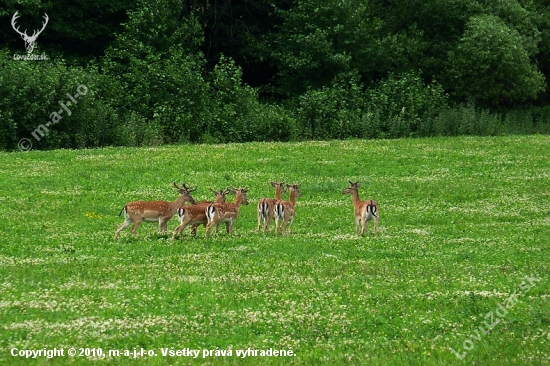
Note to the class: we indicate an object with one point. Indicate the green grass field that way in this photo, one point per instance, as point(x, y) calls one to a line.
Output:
point(463, 221)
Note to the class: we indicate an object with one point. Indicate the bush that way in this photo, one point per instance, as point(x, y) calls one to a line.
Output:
point(30, 93)
point(271, 123)
point(402, 102)
point(236, 113)
point(332, 112)
point(467, 120)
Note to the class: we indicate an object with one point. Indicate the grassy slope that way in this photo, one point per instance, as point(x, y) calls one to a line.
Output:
point(463, 220)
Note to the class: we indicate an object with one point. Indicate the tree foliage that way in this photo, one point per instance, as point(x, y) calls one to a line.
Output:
point(171, 71)
point(491, 65)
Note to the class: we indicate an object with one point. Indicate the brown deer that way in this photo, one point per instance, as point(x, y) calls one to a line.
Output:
point(195, 215)
point(161, 211)
point(286, 210)
point(226, 212)
point(364, 211)
point(266, 206)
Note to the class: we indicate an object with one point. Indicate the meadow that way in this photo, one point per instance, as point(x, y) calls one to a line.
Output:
point(463, 221)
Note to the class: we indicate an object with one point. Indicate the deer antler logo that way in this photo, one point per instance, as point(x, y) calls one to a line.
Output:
point(29, 41)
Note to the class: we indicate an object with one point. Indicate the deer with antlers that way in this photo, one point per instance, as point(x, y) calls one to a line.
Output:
point(226, 212)
point(161, 211)
point(286, 210)
point(364, 211)
point(266, 206)
point(29, 40)
point(195, 215)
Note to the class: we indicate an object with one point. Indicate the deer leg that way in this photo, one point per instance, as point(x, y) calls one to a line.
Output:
point(194, 230)
point(165, 224)
point(266, 225)
point(290, 222)
point(267, 219)
point(134, 228)
point(180, 229)
point(270, 216)
point(123, 226)
point(283, 225)
point(362, 220)
point(276, 224)
point(208, 227)
point(260, 217)
point(176, 232)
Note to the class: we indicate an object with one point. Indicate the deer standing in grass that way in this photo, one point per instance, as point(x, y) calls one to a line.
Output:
point(286, 210)
point(266, 206)
point(364, 211)
point(161, 211)
point(226, 212)
point(195, 215)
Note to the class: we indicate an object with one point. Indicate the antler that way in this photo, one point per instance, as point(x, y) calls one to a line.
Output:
point(29, 41)
point(184, 187)
point(189, 189)
point(34, 35)
point(13, 19)
point(221, 191)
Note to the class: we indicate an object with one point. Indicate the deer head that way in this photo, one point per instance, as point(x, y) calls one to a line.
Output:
point(29, 40)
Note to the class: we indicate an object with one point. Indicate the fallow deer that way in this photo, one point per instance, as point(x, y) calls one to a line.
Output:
point(195, 215)
point(161, 211)
point(364, 211)
point(226, 212)
point(286, 210)
point(266, 206)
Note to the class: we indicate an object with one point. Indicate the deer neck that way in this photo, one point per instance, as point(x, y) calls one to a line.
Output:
point(238, 200)
point(177, 203)
point(278, 193)
point(355, 197)
point(292, 198)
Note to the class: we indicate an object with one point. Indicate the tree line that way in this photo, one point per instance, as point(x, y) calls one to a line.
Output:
point(209, 71)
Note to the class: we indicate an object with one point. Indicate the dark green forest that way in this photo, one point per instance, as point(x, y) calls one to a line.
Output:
point(215, 71)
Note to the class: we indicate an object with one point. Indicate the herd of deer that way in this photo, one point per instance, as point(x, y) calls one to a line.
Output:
point(212, 214)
